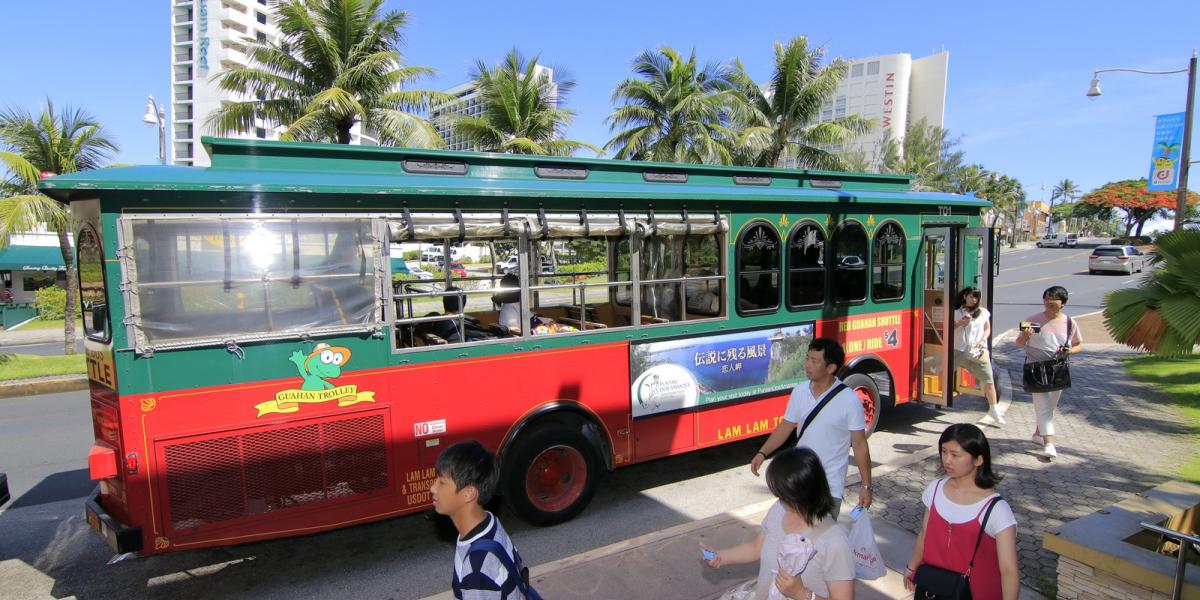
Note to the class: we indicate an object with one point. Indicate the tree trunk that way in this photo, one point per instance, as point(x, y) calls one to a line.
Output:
point(1141, 223)
point(343, 132)
point(64, 245)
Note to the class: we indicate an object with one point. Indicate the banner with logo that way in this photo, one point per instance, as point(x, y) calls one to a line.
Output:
point(687, 373)
point(1168, 146)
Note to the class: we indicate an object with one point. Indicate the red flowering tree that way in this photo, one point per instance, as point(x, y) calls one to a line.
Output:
point(1138, 203)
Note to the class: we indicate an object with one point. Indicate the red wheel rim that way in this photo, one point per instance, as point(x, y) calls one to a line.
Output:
point(870, 406)
point(555, 478)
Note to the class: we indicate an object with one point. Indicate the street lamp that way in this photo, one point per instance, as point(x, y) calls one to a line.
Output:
point(154, 115)
point(1184, 162)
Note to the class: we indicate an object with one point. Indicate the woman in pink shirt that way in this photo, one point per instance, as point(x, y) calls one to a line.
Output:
point(1043, 340)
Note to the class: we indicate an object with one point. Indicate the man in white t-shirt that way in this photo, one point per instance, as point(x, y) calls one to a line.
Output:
point(838, 427)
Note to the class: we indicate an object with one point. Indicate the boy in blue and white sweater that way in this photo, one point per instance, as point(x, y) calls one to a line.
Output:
point(466, 479)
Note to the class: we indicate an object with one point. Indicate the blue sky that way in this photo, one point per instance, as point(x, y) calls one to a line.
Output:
point(1017, 78)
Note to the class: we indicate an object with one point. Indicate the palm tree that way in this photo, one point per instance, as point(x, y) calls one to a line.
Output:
point(63, 142)
point(335, 65)
point(1007, 196)
point(1162, 314)
point(522, 110)
point(1065, 189)
point(783, 118)
point(673, 110)
point(929, 154)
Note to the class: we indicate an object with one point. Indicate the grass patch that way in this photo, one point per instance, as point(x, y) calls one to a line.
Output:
point(1179, 377)
point(24, 366)
point(57, 324)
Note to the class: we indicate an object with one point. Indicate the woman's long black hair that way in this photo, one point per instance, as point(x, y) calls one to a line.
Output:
point(972, 440)
point(961, 300)
point(796, 477)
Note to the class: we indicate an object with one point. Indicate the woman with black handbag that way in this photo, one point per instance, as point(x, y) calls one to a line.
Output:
point(967, 548)
point(1049, 338)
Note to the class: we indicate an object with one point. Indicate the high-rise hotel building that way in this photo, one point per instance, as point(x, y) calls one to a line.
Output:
point(893, 89)
point(468, 103)
point(208, 37)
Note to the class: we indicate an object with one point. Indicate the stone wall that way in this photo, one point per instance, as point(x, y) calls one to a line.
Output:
point(1077, 581)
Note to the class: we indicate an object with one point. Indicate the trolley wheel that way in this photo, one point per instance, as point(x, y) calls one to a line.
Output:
point(868, 394)
point(549, 475)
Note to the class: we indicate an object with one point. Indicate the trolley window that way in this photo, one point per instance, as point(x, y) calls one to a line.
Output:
point(849, 263)
point(92, 291)
point(758, 269)
point(887, 263)
point(203, 280)
point(806, 266)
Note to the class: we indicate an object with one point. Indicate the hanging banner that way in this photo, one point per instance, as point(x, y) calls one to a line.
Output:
point(1168, 146)
point(683, 374)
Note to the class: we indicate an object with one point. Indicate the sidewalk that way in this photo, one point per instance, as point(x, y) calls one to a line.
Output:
point(1100, 422)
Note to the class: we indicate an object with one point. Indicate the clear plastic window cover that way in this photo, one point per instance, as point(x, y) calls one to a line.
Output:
point(206, 280)
point(441, 226)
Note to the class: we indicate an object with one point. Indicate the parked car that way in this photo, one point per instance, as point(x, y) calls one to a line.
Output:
point(1121, 259)
point(419, 272)
point(1059, 240)
point(512, 265)
point(457, 269)
point(852, 262)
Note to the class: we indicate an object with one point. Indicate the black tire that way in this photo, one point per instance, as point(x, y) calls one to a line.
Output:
point(1091, 271)
point(874, 406)
point(549, 474)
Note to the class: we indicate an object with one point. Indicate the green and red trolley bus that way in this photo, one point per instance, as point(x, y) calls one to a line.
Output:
point(263, 364)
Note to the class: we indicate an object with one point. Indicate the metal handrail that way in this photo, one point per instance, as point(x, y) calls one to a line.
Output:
point(1185, 542)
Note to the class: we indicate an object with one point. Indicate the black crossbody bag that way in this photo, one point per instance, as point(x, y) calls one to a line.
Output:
point(936, 583)
point(1050, 375)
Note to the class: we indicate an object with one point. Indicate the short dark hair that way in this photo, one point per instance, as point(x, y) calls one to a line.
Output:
point(453, 303)
point(1056, 292)
point(469, 463)
point(962, 296)
point(796, 477)
point(510, 288)
point(972, 440)
point(832, 351)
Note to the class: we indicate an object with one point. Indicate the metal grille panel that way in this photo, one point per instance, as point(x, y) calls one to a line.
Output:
point(355, 456)
point(204, 482)
point(215, 480)
point(283, 468)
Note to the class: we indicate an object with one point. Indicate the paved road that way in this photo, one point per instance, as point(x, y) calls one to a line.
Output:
point(1026, 272)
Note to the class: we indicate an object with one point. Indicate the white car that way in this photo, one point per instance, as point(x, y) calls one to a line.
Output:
point(1121, 259)
point(419, 273)
point(1059, 240)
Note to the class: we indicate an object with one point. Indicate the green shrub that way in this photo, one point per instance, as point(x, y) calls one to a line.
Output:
point(411, 255)
point(51, 302)
point(585, 267)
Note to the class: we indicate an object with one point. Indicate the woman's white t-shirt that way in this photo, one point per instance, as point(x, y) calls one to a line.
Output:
point(1002, 515)
point(967, 339)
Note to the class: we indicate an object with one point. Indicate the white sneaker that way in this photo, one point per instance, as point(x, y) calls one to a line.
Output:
point(1049, 451)
point(1038, 440)
point(994, 413)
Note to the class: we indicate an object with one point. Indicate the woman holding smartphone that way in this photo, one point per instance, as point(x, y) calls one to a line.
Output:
point(972, 329)
point(1044, 336)
point(799, 534)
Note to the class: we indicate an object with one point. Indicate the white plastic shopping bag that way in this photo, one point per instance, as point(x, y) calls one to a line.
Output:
point(868, 563)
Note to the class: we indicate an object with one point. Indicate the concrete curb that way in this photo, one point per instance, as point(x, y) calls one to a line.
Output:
point(43, 385)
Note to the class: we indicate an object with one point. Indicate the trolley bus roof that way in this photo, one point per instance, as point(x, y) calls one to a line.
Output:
point(255, 166)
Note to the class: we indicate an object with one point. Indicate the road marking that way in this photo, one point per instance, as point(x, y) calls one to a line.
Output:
point(1028, 281)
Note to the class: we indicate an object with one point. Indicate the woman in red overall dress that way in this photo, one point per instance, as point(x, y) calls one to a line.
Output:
point(955, 507)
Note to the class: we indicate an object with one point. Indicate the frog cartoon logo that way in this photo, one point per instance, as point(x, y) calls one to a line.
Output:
point(323, 363)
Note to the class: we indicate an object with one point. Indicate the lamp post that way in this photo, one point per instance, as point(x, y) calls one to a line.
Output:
point(154, 115)
point(1185, 156)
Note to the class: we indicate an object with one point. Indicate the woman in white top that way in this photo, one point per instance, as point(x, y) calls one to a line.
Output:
point(1044, 336)
point(972, 329)
point(802, 552)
